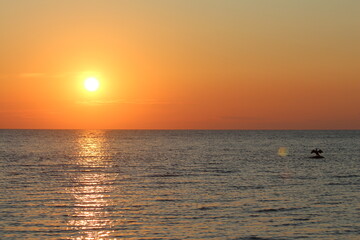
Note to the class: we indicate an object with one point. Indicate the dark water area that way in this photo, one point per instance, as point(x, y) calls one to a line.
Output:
point(138, 184)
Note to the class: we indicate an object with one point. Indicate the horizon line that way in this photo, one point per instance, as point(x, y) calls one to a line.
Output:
point(184, 129)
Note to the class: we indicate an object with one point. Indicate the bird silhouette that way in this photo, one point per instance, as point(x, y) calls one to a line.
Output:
point(317, 152)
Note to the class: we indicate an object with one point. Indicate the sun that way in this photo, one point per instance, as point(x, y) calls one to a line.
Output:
point(91, 84)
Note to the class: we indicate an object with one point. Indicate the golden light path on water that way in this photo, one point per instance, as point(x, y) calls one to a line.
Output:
point(91, 189)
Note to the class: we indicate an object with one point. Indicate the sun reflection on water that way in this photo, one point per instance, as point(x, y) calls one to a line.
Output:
point(92, 184)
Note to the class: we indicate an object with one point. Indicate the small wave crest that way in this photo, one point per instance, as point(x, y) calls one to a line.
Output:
point(266, 210)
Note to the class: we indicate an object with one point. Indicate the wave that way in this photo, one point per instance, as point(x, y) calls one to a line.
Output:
point(278, 209)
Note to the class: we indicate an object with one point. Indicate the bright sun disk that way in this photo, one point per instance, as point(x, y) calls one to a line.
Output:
point(91, 84)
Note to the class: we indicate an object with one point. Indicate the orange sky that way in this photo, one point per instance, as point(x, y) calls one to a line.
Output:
point(180, 64)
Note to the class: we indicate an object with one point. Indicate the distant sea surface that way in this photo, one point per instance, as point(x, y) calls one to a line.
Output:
point(137, 184)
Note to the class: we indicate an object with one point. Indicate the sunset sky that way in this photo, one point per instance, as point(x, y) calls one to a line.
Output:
point(182, 64)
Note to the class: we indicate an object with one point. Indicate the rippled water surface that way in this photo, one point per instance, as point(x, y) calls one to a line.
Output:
point(75, 184)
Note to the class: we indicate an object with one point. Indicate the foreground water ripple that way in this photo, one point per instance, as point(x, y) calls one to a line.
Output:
point(73, 184)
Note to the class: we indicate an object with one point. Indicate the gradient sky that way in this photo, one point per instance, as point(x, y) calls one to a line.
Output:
point(187, 64)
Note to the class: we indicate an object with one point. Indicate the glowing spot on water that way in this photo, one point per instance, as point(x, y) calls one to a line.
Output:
point(283, 151)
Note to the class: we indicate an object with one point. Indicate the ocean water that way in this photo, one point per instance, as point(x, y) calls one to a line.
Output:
point(128, 184)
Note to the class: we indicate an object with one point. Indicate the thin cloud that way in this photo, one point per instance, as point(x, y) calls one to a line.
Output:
point(127, 101)
point(241, 118)
point(29, 75)
point(28, 113)
point(32, 75)
point(6, 76)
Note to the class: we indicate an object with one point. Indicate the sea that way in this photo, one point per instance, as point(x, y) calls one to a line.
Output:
point(179, 184)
